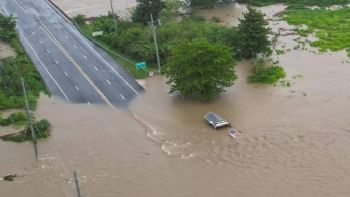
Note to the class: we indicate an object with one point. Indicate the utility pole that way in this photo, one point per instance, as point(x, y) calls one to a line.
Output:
point(155, 42)
point(115, 21)
point(77, 183)
point(30, 120)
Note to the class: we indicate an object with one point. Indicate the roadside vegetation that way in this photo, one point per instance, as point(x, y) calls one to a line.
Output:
point(194, 35)
point(331, 27)
point(12, 69)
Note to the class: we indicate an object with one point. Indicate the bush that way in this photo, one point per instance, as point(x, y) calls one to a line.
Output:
point(269, 75)
point(18, 118)
point(11, 71)
point(41, 129)
point(7, 28)
point(80, 19)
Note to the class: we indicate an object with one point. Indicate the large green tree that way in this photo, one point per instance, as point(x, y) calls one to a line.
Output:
point(145, 8)
point(200, 69)
point(253, 34)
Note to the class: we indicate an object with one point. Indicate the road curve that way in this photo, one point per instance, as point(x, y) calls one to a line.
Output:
point(71, 66)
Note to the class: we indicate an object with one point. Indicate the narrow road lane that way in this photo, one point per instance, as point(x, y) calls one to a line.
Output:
point(71, 66)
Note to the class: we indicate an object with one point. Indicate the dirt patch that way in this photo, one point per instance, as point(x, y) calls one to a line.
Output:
point(6, 50)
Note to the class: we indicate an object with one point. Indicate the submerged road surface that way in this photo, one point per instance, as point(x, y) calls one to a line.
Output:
point(71, 66)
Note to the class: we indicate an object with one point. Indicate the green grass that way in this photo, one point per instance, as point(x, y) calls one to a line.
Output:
point(12, 69)
point(332, 27)
point(263, 74)
point(16, 119)
point(127, 62)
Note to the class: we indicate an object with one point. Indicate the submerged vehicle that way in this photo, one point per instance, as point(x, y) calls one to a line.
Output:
point(216, 121)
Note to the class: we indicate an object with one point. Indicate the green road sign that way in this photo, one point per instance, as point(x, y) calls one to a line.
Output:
point(140, 65)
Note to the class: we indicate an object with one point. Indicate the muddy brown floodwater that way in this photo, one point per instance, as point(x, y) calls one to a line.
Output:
point(293, 141)
point(92, 8)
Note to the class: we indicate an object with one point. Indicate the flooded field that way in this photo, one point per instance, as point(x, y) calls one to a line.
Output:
point(92, 8)
point(293, 141)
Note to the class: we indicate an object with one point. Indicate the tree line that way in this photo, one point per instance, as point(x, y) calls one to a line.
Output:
point(198, 56)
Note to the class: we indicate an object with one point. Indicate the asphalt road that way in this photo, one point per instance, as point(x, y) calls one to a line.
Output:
point(71, 66)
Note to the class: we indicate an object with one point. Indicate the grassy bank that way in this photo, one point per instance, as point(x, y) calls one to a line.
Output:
point(331, 27)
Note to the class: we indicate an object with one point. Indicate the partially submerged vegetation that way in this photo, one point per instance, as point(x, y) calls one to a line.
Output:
point(41, 130)
point(263, 73)
point(134, 40)
point(17, 119)
point(331, 27)
point(13, 68)
point(200, 69)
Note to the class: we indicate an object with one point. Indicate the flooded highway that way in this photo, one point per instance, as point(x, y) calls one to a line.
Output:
point(292, 141)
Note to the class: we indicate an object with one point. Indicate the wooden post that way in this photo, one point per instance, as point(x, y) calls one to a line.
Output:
point(77, 183)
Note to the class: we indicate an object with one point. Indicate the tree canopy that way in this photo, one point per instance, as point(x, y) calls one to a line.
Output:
point(200, 69)
point(7, 28)
point(145, 8)
point(252, 33)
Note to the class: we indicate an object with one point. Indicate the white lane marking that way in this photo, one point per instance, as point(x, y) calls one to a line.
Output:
point(33, 32)
point(58, 44)
point(75, 46)
point(42, 64)
point(66, 36)
point(96, 68)
point(108, 82)
point(56, 62)
point(76, 87)
point(85, 57)
point(122, 97)
point(65, 74)
point(47, 50)
point(40, 41)
point(98, 55)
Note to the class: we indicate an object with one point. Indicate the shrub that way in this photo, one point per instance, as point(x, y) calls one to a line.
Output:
point(269, 75)
point(80, 19)
point(41, 129)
